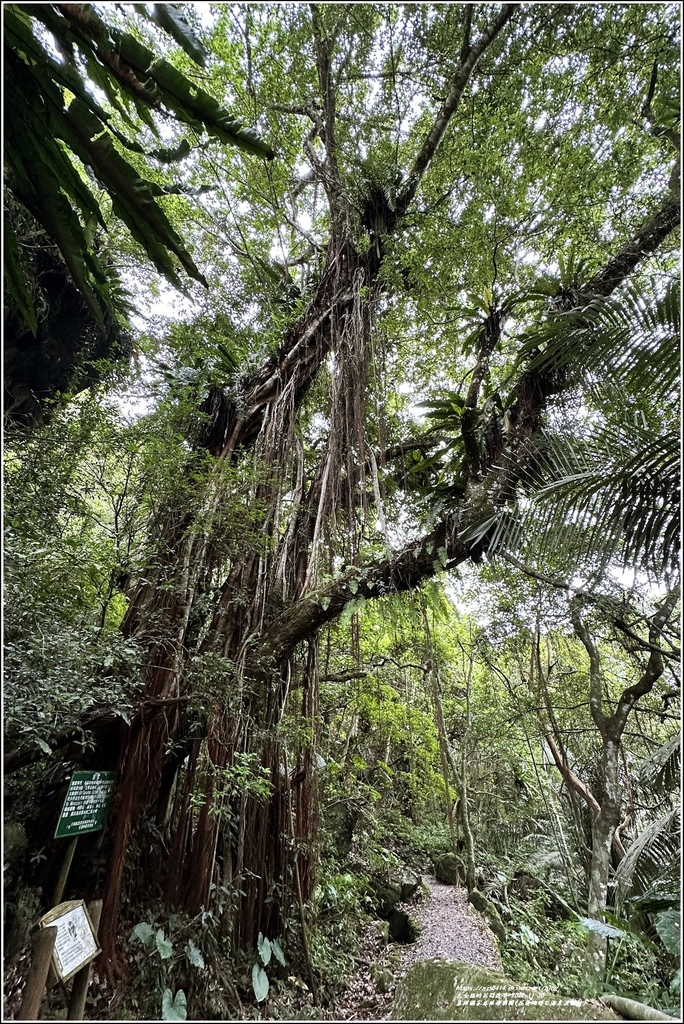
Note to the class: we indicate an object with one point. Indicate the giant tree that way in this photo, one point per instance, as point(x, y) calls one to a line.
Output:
point(430, 159)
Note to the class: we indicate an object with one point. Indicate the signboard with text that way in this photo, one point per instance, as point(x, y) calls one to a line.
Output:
point(75, 945)
point(85, 806)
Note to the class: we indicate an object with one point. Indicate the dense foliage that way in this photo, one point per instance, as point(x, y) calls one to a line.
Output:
point(371, 555)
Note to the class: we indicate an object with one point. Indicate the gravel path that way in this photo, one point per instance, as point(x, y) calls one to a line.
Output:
point(450, 930)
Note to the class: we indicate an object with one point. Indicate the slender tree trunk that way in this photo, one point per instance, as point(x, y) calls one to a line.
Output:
point(602, 836)
point(459, 782)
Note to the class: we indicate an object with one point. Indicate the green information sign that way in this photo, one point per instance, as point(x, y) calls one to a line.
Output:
point(85, 807)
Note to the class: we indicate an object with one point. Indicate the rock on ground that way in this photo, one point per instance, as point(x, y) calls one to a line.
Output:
point(435, 990)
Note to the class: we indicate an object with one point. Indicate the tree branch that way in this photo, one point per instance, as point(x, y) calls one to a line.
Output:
point(659, 131)
point(588, 595)
point(467, 24)
point(645, 241)
point(654, 666)
point(450, 106)
point(332, 183)
point(447, 545)
point(571, 780)
point(595, 700)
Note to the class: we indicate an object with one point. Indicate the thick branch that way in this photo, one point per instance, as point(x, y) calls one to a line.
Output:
point(574, 783)
point(449, 107)
point(465, 46)
point(331, 177)
point(571, 780)
point(642, 244)
point(299, 359)
point(445, 546)
point(659, 131)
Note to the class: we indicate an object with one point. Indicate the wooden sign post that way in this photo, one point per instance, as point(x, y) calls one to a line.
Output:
point(76, 944)
point(66, 938)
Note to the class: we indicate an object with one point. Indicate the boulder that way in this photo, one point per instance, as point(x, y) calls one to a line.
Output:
point(342, 822)
point(493, 919)
point(489, 912)
point(477, 900)
point(409, 885)
point(392, 889)
point(443, 990)
point(449, 869)
point(387, 895)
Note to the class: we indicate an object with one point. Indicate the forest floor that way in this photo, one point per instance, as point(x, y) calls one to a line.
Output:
point(450, 930)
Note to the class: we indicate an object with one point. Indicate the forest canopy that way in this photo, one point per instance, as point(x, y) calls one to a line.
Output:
point(342, 428)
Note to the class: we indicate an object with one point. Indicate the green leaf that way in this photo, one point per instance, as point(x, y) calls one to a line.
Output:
point(606, 930)
point(264, 947)
point(132, 198)
point(39, 190)
point(278, 952)
point(350, 609)
point(170, 156)
point(193, 954)
point(668, 924)
point(259, 983)
point(164, 945)
point(530, 937)
point(196, 107)
point(143, 932)
point(174, 1007)
point(169, 18)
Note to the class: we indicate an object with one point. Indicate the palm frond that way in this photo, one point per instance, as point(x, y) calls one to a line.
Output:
point(649, 871)
point(631, 336)
point(43, 175)
point(612, 492)
point(661, 773)
point(598, 503)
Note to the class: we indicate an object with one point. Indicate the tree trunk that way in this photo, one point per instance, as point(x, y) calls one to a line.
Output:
point(459, 782)
point(602, 836)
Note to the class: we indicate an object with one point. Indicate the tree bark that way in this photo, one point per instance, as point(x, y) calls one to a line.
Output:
point(602, 837)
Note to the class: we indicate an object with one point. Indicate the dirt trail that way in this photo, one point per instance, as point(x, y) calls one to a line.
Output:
point(450, 930)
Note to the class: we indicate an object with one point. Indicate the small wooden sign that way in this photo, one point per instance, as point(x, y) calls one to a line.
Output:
point(76, 944)
point(86, 803)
